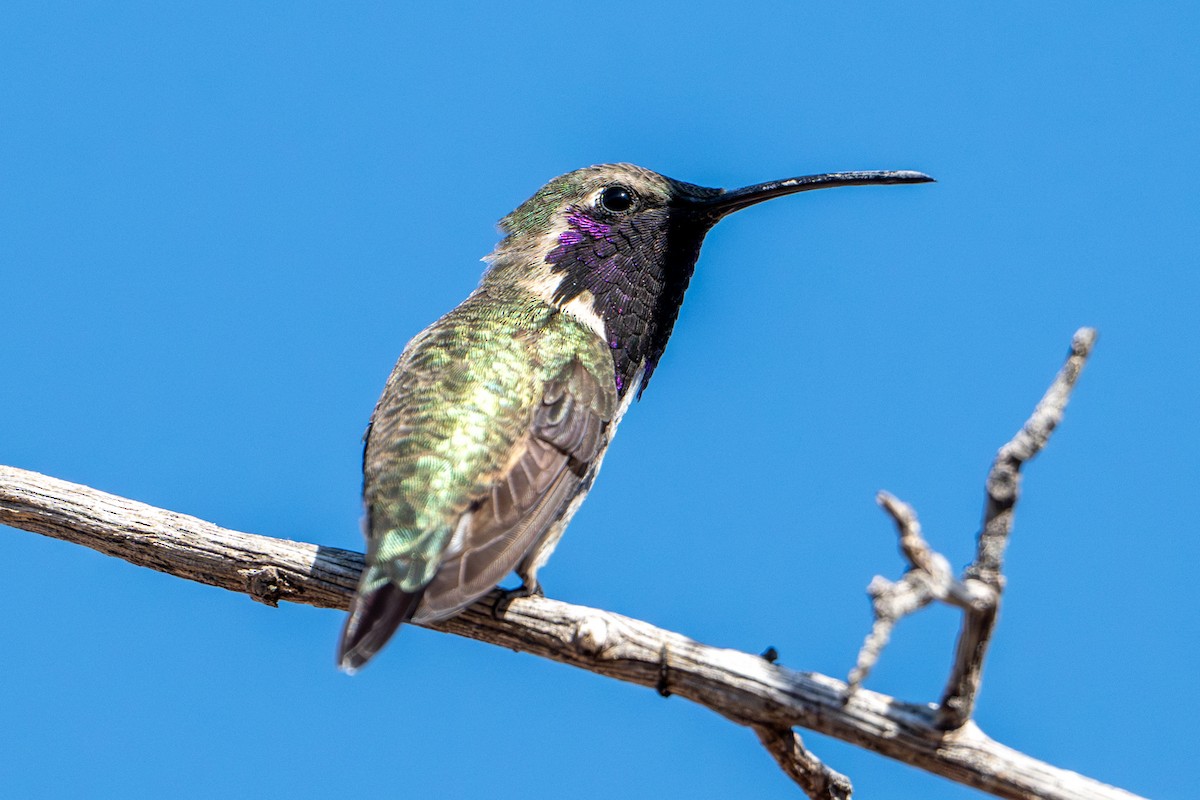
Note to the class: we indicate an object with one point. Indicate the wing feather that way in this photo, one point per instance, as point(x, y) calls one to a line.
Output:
point(545, 472)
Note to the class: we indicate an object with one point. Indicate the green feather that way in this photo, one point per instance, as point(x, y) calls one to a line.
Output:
point(460, 398)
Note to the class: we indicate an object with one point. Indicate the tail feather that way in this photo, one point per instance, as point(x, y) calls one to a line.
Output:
point(374, 617)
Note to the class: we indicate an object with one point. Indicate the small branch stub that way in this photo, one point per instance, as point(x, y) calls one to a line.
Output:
point(818, 781)
point(268, 585)
point(591, 636)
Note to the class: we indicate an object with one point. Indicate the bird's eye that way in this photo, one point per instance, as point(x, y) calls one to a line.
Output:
point(616, 199)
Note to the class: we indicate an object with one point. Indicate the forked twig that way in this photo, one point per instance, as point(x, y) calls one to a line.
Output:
point(978, 592)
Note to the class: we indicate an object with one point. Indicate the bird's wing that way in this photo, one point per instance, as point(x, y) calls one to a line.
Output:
point(435, 543)
point(545, 471)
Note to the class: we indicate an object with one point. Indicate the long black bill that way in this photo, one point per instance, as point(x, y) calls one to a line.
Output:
point(730, 200)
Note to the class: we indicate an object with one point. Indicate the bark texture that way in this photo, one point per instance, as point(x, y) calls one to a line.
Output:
point(745, 688)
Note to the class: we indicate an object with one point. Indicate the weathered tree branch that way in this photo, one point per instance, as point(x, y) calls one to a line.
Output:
point(984, 577)
point(817, 780)
point(742, 687)
point(979, 591)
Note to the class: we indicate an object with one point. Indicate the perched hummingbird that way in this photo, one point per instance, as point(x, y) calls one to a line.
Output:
point(495, 419)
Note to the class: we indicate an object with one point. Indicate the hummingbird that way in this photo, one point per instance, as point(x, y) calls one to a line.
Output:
point(496, 418)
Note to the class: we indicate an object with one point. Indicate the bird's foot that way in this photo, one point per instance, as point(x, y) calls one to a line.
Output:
point(524, 590)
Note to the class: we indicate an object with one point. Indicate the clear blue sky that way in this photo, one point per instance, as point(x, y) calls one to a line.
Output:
point(220, 226)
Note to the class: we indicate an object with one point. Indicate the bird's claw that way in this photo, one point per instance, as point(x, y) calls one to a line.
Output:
point(524, 590)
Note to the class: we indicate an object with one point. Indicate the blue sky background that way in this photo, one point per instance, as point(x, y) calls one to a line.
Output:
point(220, 225)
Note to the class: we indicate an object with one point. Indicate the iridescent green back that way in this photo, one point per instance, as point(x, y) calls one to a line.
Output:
point(451, 417)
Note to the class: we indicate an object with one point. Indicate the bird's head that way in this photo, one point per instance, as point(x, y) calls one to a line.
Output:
point(614, 245)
